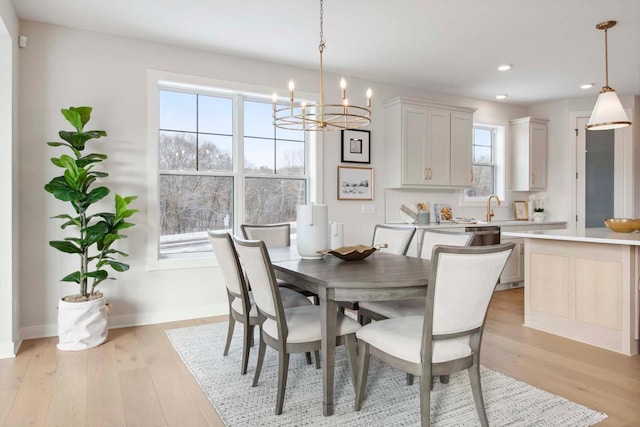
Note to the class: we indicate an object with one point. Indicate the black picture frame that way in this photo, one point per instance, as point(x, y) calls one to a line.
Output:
point(356, 146)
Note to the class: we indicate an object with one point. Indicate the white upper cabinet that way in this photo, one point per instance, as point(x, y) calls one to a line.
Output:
point(427, 144)
point(528, 147)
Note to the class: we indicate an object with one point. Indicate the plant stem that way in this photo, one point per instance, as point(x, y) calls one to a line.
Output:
point(84, 264)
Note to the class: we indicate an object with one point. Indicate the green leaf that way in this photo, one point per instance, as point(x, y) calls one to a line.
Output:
point(65, 246)
point(84, 113)
point(57, 144)
point(130, 199)
point(97, 194)
point(56, 161)
point(117, 266)
point(122, 225)
point(96, 232)
point(98, 274)
point(73, 117)
point(73, 277)
point(96, 134)
point(62, 191)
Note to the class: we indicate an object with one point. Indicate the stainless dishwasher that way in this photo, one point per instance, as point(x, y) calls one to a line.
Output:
point(485, 235)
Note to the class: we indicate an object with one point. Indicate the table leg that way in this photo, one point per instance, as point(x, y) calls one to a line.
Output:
point(328, 350)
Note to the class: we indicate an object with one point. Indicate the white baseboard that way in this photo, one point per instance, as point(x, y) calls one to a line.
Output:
point(9, 349)
point(125, 320)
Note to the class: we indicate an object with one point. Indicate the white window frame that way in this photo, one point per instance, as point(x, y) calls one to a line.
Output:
point(499, 161)
point(157, 80)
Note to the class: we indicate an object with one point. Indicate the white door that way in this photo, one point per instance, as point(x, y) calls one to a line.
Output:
point(603, 178)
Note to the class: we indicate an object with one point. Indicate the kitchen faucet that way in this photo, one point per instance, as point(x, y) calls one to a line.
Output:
point(489, 210)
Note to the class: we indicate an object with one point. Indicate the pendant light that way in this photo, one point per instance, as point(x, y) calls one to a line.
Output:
point(321, 117)
point(608, 112)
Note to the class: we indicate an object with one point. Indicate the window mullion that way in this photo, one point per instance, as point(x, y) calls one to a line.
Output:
point(238, 168)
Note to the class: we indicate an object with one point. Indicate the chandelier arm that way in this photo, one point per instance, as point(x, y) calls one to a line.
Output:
point(606, 59)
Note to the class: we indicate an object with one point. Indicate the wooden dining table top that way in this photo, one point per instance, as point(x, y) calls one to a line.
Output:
point(378, 270)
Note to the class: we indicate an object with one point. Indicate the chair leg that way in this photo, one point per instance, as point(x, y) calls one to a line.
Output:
point(425, 400)
point(317, 355)
point(476, 388)
point(363, 372)
point(261, 348)
point(307, 356)
point(352, 358)
point(409, 379)
point(232, 325)
point(341, 309)
point(246, 345)
point(444, 379)
point(251, 335)
point(283, 368)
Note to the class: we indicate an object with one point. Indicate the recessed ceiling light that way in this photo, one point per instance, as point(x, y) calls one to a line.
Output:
point(504, 67)
point(586, 86)
point(501, 96)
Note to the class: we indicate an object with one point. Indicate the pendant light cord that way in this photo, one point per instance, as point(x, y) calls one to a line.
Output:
point(606, 59)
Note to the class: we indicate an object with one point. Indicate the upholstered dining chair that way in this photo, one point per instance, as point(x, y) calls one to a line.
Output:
point(398, 240)
point(287, 330)
point(379, 310)
point(448, 338)
point(275, 236)
point(241, 305)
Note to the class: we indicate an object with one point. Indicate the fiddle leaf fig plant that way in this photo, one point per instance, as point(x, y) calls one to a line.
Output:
point(95, 233)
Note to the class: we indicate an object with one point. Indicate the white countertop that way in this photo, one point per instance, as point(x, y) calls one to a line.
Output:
point(590, 235)
point(499, 223)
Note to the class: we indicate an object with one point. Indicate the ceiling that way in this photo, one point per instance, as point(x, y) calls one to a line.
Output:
point(448, 46)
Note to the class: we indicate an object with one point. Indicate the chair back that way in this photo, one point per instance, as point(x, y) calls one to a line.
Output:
point(257, 266)
point(398, 239)
point(461, 285)
point(228, 260)
point(273, 235)
point(431, 238)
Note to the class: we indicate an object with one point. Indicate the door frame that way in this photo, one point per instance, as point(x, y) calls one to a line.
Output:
point(623, 172)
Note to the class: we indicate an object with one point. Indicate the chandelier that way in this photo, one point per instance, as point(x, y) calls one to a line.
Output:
point(321, 116)
point(608, 112)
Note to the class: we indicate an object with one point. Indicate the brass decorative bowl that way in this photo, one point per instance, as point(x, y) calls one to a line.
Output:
point(352, 253)
point(622, 225)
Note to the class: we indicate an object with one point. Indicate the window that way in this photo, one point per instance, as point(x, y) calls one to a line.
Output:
point(221, 163)
point(488, 163)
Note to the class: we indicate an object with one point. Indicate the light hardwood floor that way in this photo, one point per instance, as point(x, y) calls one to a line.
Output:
point(136, 379)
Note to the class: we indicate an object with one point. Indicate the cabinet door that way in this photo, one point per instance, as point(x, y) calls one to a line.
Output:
point(461, 149)
point(438, 147)
point(414, 145)
point(514, 269)
point(538, 156)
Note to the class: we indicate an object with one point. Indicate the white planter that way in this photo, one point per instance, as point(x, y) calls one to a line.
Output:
point(82, 325)
point(537, 216)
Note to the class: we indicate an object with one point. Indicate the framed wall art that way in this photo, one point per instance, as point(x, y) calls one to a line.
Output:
point(356, 146)
point(520, 210)
point(355, 183)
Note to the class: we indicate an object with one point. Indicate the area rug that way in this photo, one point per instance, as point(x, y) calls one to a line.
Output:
point(388, 402)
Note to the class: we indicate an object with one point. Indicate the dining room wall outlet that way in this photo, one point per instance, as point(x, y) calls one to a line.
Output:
point(368, 209)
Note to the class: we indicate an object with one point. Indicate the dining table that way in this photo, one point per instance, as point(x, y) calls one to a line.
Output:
point(379, 277)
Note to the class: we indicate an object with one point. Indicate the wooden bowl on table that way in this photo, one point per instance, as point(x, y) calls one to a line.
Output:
point(622, 225)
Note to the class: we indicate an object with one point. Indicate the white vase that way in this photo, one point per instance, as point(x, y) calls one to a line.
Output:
point(82, 325)
point(537, 216)
point(336, 235)
point(312, 230)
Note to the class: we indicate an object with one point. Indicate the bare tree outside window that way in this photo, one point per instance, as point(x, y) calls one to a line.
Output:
point(198, 179)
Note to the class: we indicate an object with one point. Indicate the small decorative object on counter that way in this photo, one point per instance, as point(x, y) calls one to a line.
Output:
point(537, 203)
point(424, 216)
point(443, 212)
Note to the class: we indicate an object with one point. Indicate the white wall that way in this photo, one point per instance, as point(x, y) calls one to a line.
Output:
point(64, 67)
point(9, 27)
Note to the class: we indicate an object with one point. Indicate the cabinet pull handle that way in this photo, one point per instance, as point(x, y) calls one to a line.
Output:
point(533, 178)
point(471, 175)
point(430, 174)
point(426, 174)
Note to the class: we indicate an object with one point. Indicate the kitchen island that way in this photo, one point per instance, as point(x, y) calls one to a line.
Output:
point(583, 286)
